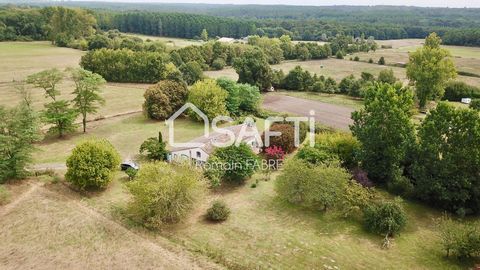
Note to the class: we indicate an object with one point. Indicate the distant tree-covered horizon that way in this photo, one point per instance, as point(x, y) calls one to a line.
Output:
point(456, 26)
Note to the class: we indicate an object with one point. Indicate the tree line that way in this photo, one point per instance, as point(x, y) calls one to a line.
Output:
point(457, 27)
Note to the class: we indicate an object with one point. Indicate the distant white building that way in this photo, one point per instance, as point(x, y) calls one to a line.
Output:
point(202, 153)
point(226, 40)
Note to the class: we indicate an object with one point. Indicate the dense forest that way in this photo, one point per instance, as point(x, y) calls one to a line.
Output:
point(456, 26)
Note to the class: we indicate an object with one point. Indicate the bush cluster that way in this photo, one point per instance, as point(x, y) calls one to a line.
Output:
point(461, 240)
point(164, 193)
point(456, 90)
point(317, 187)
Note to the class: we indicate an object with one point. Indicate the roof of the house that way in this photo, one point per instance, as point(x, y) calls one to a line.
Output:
point(207, 142)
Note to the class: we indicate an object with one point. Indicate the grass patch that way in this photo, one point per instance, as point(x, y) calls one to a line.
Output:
point(335, 99)
point(126, 133)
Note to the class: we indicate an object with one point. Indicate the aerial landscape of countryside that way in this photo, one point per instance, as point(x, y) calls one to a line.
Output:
point(148, 135)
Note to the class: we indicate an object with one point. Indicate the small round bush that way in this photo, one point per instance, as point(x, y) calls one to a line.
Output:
point(385, 218)
point(356, 59)
point(339, 55)
point(219, 211)
point(92, 163)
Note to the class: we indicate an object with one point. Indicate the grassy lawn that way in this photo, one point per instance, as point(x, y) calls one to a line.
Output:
point(126, 133)
point(265, 233)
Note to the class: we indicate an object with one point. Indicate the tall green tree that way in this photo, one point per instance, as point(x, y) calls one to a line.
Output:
point(67, 24)
point(19, 129)
point(253, 68)
point(87, 93)
point(384, 129)
point(447, 163)
point(58, 113)
point(430, 68)
point(48, 81)
point(204, 35)
point(209, 97)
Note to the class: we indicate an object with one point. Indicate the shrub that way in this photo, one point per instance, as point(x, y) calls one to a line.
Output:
point(164, 193)
point(218, 64)
point(387, 76)
point(154, 148)
point(356, 58)
point(343, 145)
point(4, 195)
point(219, 211)
point(316, 187)
point(163, 99)
point(386, 218)
point(381, 61)
point(370, 61)
point(475, 104)
point(91, 164)
point(456, 90)
point(240, 162)
point(400, 185)
point(316, 156)
point(361, 177)
point(339, 55)
point(355, 198)
point(274, 156)
point(214, 171)
point(319, 86)
point(461, 240)
point(131, 173)
point(286, 140)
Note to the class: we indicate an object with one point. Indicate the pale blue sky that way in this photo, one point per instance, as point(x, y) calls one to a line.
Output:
point(422, 3)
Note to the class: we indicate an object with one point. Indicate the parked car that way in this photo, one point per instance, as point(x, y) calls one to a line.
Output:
point(129, 164)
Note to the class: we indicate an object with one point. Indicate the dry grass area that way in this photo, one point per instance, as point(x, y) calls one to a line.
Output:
point(170, 41)
point(265, 233)
point(20, 59)
point(54, 229)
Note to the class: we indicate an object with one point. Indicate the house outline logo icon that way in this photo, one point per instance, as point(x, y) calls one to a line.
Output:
point(171, 130)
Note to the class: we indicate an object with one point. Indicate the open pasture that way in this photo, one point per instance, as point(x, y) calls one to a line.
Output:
point(20, 59)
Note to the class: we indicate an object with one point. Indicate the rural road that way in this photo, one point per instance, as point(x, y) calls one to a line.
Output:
point(334, 116)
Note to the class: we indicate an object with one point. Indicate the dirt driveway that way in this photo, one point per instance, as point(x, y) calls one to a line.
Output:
point(330, 115)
